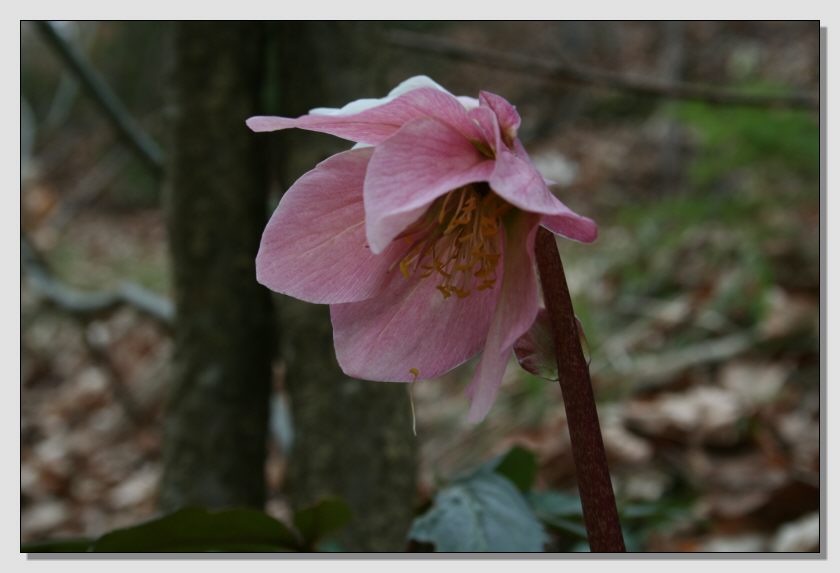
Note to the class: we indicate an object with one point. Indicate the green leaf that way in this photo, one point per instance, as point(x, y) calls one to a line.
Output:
point(556, 503)
point(563, 512)
point(78, 545)
point(559, 510)
point(570, 527)
point(519, 466)
point(324, 517)
point(632, 543)
point(198, 530)
point(483, 512)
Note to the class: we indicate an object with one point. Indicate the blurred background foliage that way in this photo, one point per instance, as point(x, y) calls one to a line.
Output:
point(700, 299)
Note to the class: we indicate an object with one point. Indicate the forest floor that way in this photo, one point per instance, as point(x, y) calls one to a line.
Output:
point(701, 312)
point(700, 303)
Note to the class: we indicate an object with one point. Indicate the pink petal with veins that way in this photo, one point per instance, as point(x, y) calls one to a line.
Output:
point(509, 120)
point(314, 245)
point(376, 124)
point(424, 160)
point(408, 326)
point(515, 311)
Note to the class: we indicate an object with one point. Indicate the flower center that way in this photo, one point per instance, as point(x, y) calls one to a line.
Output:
point(458, 241)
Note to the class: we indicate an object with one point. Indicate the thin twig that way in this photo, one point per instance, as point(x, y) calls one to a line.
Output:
point(95, 86)
point(573, 73)
point(91, 305)
point(600, 514)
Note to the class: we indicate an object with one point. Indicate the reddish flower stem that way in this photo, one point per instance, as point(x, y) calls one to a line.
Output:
point(600, 514)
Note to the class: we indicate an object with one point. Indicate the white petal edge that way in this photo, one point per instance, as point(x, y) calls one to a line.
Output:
point(406, 86)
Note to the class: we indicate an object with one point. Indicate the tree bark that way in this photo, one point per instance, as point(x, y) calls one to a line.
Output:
point(217, 418)
point(352, 438)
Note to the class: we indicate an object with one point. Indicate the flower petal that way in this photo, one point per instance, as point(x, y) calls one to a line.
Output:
point(375, 124)
point(424, 160)
point(488, 123)
point(535, 350)
point(515, 313)
point(408, 326)
point(571, 225)
point(358, 105)
point(517, 180)
point(314, 246)
point(508, 117)
point(519, 183)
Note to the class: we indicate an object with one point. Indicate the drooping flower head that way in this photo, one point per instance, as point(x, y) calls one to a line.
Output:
point(420, 238)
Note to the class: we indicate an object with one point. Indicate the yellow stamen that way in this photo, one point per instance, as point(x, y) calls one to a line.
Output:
point(457, 240)
point(404, 268)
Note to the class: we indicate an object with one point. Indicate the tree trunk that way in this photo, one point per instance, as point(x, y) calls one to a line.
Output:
point(217, 417)
point(352, 438)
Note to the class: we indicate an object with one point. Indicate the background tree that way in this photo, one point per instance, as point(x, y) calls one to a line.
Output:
point(352, 438)
point(216, 424)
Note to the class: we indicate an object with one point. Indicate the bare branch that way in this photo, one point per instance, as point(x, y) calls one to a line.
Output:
point(90, 305)
point(572, 73)
point(95, 86)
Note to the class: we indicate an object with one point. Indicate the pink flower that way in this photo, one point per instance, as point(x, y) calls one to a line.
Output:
point(420, 238)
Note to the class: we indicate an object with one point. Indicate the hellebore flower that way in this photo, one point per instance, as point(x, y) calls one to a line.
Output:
point(420, 238)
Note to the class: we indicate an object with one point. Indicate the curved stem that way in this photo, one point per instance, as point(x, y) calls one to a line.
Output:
point(600, 514)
